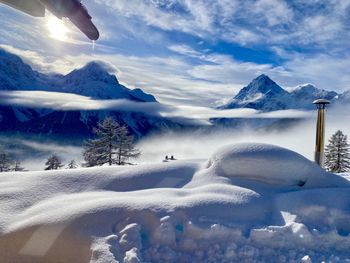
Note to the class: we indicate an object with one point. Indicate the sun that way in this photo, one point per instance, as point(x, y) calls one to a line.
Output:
point(57, 28)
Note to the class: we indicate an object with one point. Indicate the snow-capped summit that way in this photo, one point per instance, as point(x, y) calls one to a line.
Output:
point(262, 84)
point(305, 94)
point(93, 71)
point(266, 95)
point(94, 80)
point(261, 94)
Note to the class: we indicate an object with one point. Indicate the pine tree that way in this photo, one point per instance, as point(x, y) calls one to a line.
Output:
point(5, 162)
point(72, 165)
point(337, 153)
point(53, 163)
point(113, 145)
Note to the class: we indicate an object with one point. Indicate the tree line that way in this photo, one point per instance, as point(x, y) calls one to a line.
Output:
point(7, 164)
point(112, 145)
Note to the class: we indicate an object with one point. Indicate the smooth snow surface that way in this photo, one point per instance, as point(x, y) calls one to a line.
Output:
point(253, 157)
point(248, 203)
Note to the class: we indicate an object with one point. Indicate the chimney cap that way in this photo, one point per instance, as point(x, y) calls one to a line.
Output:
point(322, 101)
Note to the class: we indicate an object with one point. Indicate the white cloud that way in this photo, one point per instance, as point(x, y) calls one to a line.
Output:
point(70, 102)
point(324, 71)
point(200, 145)
point(39, 62)
point(244, 22)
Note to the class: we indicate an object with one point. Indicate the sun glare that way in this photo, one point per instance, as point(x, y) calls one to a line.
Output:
point(57, 28)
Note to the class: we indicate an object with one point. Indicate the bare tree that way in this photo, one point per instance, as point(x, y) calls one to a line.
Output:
point(53, 163)
point(126, 147)
point(113, 145)
point(337, 153)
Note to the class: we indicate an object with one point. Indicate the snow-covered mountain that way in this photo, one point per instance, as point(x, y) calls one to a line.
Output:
point(304, 95)
point(266, 95)
point(93, 80)
point(261, 94)
point(345, 97)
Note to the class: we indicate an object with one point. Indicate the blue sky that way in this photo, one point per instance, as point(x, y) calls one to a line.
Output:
point(197, 52)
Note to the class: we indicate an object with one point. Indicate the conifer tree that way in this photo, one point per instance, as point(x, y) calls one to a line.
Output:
point(72, 165)
point(112, 145)
point(337, 153)
point(53, 163)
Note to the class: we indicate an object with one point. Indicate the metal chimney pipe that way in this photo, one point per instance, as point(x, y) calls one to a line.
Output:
point(320, 131)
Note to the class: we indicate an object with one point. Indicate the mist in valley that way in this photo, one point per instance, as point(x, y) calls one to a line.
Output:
point(199, 144)
point(299, 138)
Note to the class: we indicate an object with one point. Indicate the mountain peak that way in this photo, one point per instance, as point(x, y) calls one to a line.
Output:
point(263, 80)
point(96, 80)
point(262, 93)
point(93, 71)
point(96, 66)
point(260, 85)
point(307, 86)
point(305, 94)
point(263, 76)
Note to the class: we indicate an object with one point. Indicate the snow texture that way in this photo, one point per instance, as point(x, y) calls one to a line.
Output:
point(248, 203)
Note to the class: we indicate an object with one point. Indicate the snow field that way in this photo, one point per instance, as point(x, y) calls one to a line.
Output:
point(248, 203)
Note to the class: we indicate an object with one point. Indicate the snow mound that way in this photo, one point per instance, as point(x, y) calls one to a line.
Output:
point(265, 163)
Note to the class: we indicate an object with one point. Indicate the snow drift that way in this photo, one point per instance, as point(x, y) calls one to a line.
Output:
point(248, 203)
point(271, 165)
point(265, 163)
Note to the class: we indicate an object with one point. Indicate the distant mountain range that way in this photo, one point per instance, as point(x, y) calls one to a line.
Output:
point(264, 94)
point(93, 80)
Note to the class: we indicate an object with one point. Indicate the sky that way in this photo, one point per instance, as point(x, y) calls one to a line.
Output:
point(194, 52)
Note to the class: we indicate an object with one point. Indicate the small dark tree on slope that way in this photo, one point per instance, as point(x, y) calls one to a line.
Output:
point(53, 163)
point(113, 145)
point(72, 165)
point(337, 153)
point(5, 162)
